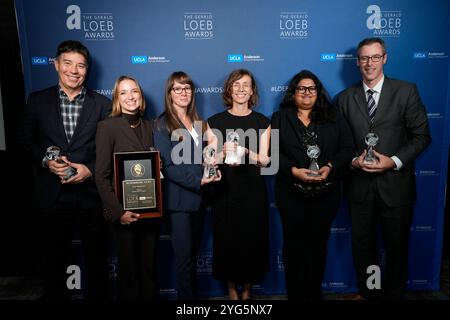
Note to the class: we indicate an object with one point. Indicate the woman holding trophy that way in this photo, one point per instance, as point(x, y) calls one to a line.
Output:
point(239, 205)
point(179, 137)
point(315, 149)
point(136, 239)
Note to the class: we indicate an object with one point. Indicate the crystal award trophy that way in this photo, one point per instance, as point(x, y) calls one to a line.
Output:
point(54, 153)
point(371, 141)
point(313, 153)
point(232, 157)
point(209, 171)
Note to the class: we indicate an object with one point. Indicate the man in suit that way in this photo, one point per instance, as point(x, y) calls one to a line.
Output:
point(382, 191)
point(66, 116)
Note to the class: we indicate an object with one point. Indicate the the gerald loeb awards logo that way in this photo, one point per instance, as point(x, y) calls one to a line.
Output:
point(137, 170)
point(293, 25)
point(198, 26)
point(95, 26)
point(384, 23)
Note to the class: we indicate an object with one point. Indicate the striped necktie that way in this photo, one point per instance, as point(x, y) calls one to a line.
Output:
point(371, 105)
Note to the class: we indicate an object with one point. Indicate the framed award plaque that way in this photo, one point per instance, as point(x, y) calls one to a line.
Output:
point(138, 182)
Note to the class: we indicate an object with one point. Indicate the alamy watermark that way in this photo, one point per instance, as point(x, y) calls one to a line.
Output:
point(182, 152)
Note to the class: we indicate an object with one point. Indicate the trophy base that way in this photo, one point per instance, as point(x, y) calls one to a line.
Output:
point(315, 174)
point(209, 172)
point(231, 160)
point(369, 161)
point(70, 172)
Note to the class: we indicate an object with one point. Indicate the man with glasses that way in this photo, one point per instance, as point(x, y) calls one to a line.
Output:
point(382, 191)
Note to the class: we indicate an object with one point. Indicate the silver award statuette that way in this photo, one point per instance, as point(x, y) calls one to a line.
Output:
point(210, 171)
point(54, 153)
point(371, 141)
point(313, 153)
point(232, 157)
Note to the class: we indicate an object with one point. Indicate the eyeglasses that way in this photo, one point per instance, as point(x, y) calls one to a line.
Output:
point(179, 90)
point(374, 58)
point(303, 89)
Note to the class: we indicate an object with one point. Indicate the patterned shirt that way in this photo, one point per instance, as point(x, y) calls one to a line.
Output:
point(71, 110)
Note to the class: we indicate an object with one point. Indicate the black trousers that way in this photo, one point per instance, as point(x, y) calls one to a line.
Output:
point(60, 224)
point(394, 223)
point(306, 229)
point(137, 243)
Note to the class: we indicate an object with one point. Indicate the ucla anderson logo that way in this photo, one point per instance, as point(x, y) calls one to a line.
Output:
point(383, 23)
point(149, 59)
point(235, 58)
point(420, 55)
point(95, 26)
point(244, 58)
point(331, 57)
point(139, 59)
point(39, 61)
point(429, 55)
point(328, 57)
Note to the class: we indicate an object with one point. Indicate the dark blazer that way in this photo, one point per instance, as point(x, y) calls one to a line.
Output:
point(42, 127)
point(402, 125)
point(182, 181)
point(334, 140)
point(115, 135)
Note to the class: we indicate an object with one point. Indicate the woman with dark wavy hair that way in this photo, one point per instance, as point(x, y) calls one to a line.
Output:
point(315, 149)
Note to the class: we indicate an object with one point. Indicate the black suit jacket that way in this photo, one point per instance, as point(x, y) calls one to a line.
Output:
point(402, 126)
point(115, 135)
point(42, 127)
point(334, 140)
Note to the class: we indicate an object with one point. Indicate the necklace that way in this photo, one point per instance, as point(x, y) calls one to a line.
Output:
point(134, 126)
point(309, 136)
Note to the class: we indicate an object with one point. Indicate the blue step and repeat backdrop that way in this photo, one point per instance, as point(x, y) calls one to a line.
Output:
point(274, 39)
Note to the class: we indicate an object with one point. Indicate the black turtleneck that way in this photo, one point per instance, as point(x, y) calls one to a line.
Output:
point(135, 121)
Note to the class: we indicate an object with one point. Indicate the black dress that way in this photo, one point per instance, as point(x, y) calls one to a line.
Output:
point(240, 211)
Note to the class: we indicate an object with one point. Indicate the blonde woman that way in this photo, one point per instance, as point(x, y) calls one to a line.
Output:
point(136, 240)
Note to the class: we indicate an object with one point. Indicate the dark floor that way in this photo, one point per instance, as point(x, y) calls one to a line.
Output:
point(27, 288)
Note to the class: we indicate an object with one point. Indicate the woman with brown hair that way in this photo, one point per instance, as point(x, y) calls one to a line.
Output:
point(240, 210)
point(179, 137)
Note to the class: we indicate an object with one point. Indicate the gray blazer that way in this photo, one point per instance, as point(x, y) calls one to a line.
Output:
point(402, 125)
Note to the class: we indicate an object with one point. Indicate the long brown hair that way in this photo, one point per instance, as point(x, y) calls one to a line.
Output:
point(172, 121)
